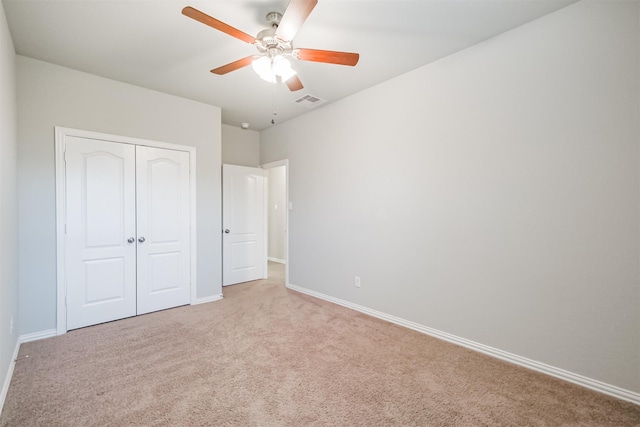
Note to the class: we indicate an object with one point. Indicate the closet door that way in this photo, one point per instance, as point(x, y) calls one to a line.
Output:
point(100, 225)
point(162, 185)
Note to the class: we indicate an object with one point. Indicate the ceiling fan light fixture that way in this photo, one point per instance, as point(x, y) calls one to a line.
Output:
point(282, 68)
point(263, 67)
point(270, 69)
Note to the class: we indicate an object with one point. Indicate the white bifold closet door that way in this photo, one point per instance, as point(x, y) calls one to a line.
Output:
point(127, 230)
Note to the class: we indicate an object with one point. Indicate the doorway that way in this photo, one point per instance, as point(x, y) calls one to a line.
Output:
point(278, 207)
point(255, 228)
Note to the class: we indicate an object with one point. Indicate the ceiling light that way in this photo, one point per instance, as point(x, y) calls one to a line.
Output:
point(270, 69)
point(282, 68)
point(262, 66)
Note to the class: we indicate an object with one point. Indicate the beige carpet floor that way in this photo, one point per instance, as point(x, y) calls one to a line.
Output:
point(268, 356)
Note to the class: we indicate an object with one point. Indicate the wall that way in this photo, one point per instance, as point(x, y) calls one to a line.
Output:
point(48, 96)
point(277, 213)
point(240, 147)
point(492, 195)
point(8, 206)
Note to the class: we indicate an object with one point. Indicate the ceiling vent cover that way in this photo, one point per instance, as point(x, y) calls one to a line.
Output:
point(309, 101)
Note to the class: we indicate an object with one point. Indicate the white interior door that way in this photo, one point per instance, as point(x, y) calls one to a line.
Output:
point(244, 254)
point(100, 222)
point(162, 182)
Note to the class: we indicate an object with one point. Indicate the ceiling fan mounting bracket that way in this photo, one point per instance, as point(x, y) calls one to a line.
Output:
point(274, 18)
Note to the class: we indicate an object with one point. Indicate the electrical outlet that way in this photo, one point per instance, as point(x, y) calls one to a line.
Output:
point(11, 325)
point(357, 281)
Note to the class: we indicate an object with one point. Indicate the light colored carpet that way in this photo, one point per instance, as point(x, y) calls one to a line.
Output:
point(268, 356)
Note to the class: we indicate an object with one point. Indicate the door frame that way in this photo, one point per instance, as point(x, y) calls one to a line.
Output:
point(270, 165)
point(60, 135)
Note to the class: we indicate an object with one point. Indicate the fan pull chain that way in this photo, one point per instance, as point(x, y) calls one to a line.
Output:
point(274, 107)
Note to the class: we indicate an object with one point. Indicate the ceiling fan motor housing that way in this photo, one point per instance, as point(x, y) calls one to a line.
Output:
point(268, 43)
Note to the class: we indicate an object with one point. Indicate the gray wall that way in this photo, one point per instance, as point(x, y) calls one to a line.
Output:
point(48, 96)
point(277, 213)
point(240, 147)
point(8, 203)
point(492, 195)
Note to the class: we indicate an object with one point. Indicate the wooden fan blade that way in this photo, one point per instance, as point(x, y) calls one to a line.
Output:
point(328, 56)
point(294, 83)
point(232, 66)
point(218, 25)
point(294, 16)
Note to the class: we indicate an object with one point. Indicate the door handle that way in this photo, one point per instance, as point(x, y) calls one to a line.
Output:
point(131, 240)
point(227, 231)
point(141, 240)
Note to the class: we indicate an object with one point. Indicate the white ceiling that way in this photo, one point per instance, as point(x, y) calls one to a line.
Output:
point(151, 44)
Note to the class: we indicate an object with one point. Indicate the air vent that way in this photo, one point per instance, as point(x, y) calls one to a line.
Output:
point(310, 101)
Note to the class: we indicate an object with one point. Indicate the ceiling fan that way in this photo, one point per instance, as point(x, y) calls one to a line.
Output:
point(275, 44)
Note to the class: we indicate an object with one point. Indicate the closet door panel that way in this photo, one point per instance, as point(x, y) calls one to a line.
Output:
point(162, 185)
point(100, 218)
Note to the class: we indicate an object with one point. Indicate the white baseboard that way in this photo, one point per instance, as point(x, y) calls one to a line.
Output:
point(21, 339)
point(7, 379)
point(571, 377)
point(278, 260)
point(34, 336)
point(208, 299)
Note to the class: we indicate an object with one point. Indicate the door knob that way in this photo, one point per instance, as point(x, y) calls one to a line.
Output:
point(141, 240)
point(131, 240)
point(226, 231)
